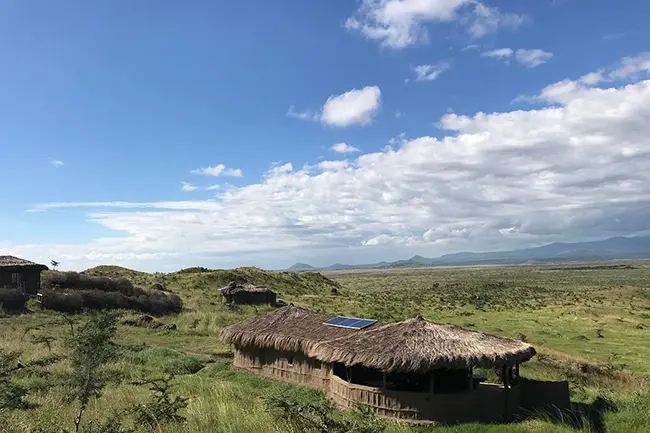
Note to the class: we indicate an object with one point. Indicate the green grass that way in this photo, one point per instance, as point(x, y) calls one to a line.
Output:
point(561, 311)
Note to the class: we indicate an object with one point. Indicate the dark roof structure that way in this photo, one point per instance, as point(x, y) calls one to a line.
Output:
point(16, 262)
point(234, 288)
point(411, 345)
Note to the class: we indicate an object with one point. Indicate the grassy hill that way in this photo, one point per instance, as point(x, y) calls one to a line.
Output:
point(198, 285)
point(591, 325)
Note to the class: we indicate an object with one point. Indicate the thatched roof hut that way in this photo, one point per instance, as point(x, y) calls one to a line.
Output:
point(20, 274)
point(410, 345)
point(244, 293)
point(413, 369)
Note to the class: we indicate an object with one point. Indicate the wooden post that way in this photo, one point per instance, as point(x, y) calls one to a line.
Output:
point(517, 372)
point(506, 383)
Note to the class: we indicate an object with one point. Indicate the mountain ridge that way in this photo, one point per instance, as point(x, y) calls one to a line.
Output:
point(614, 248)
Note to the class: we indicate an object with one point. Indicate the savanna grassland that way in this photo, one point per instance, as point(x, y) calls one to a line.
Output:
point(590, 324)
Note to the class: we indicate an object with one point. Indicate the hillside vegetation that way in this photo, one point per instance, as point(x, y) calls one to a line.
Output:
point(590, 325)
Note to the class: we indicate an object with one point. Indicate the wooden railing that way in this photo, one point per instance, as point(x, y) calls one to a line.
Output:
point(485, 403)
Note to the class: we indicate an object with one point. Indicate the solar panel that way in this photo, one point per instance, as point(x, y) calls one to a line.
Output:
point(349, 322)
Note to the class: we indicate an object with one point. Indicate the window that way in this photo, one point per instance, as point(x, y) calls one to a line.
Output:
point(290, 360)
point(317, 364)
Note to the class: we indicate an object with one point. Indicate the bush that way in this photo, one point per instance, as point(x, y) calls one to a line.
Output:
point(71, 301)
point(77, 281)
point(184, 365)
point(12, 299)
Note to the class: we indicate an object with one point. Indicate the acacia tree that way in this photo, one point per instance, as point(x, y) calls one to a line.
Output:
point(54, 264)
point(91, 347)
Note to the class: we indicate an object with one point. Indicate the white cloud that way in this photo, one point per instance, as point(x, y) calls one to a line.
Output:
point(532, 58)
point(344, 148)
point(631, 67)
point(489, 19)
point(214, 187)
point(188, 187)
point(400, 23)
point(356, 107)
point(573, 169)
point(470, 47)
point(56, 163)
point(218, 170)
point(498, 53)
point(429, 72)
point(302, 115)
point(398, 114)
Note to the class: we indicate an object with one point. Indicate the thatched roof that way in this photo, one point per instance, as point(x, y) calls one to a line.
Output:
point(234, 288)
point(16, 262)
point(410, 345)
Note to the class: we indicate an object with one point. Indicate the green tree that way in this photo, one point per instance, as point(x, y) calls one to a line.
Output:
point(91, 347)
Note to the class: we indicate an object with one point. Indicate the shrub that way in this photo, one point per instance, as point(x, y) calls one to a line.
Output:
point(161, 408)
point(76, 281)
point(321, 416)
point(12, 299)
point(72, 301)
point(184, 365)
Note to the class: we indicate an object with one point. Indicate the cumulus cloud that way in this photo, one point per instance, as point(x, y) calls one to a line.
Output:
point(498, 53)
point(429, 72)
point(532, 58)
point(629, 68)
point(400, 23)
point(486, 20)
point(218, 170)
point(355, 107)
point(188, 187)
point(575, 168)
point(56, 163)
point(302, 115)
point(344, 148)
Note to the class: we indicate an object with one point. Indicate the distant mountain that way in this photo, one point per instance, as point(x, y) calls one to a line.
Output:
point(301, 267)
point(608, 249)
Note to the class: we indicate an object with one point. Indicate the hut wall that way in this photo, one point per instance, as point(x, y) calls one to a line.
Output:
point(487, 403)
point(250, 298)
point(536, 394)
point(28, 280)
point(285, 366)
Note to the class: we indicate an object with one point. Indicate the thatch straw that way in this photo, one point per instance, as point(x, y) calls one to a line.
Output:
point(288, 328)
point(411, 345)
point(16, 262)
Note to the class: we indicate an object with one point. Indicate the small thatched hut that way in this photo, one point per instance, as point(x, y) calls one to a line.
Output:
point(20, 274)
point(412, 369)
point(247, 294)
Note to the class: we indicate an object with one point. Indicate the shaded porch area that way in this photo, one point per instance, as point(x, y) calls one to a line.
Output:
point(441, 395)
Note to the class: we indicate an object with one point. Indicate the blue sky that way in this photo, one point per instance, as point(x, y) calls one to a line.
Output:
point(117, 116)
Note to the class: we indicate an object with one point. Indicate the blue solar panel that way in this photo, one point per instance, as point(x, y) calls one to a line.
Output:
point(349, 322)
point(334, 321)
